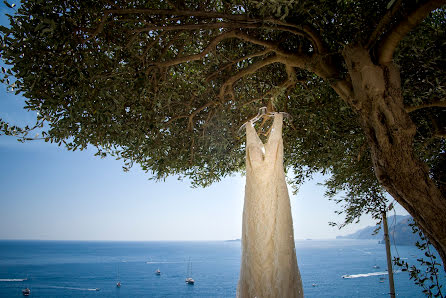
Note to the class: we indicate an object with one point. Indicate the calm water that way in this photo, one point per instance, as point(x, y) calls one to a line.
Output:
point(75, 269)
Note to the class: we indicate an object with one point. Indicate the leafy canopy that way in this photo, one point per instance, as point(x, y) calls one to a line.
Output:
point(167, 84)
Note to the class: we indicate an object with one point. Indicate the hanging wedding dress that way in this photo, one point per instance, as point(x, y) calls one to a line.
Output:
point(268, 265)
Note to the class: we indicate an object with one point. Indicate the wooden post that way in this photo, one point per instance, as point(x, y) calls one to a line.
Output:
point(389, 257)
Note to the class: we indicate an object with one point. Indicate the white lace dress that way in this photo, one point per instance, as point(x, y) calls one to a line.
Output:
point(268, 265)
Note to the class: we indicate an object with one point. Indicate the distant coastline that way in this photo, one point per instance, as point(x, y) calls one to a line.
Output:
point(399, 230)
point(233, 240)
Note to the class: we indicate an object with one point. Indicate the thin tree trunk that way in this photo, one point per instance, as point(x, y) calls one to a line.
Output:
point(390, 133)
point(388, 255)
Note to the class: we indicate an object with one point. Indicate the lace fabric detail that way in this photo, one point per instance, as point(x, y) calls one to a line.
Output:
point(268, 265)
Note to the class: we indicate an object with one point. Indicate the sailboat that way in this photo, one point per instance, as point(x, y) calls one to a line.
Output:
point(118, 283)
point(189, 279)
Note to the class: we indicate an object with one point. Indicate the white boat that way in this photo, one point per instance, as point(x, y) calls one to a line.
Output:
point(26, 292)
point(158, 272)
point(189, 279)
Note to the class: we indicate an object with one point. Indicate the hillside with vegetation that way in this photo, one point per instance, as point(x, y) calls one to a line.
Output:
point(399, 230)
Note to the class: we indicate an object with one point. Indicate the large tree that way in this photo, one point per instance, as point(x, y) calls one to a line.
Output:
point(167, 84)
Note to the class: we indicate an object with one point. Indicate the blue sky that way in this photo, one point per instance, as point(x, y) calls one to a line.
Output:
point(47, 192)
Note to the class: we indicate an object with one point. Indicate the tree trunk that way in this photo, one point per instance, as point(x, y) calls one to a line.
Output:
point(390, 132)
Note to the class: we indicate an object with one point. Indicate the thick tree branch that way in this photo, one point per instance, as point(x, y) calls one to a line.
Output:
point(179, 12)
point(226, 88)
point(440, 135)
point(152, 44)
point(391, 40)
point(190, 124)
point(296, 59)
point(201, 26)
point(316, 39)
point(99, 28)
point(343, 88)
point(236, 21)
point(316, 63)
point(268, 45)
point(227, 85)
point(202, 54)
point(190, 117)
point(439, 104)
point(383, 23)
point(230, 64)
point(327, 67)
point(243, 18)
point(438, 130)
point(175, 118)
point(289, 82)
point(307, 32)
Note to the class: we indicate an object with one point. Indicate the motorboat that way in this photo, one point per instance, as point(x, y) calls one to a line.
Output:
point(26, 292)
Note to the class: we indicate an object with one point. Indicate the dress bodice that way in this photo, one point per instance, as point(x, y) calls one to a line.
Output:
point(258, 153)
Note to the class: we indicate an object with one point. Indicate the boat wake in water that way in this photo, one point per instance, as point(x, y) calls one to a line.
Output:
point(162, 262)
point(12, 279)
point(73, 288)
point(367, 274)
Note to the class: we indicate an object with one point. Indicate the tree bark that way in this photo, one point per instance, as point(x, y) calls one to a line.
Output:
point(390, 133)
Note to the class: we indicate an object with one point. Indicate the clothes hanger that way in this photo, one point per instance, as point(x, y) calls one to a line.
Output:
point(260, 114)
point(263, 113)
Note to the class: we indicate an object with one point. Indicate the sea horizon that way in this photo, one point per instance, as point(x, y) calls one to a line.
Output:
point(198, 240)
point(72, 268)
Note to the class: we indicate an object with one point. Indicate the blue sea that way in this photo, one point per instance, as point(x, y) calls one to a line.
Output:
point(78, 268)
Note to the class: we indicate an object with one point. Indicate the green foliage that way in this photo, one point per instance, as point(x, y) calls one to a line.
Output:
point(98, 79)
point(148, 83)
point(426, 84)
point(429, 268)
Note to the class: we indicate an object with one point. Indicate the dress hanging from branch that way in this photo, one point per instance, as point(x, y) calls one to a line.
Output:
point(268, 265)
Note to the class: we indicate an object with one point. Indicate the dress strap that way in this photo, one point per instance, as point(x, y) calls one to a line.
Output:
point(251, 134)
point(276, 130)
